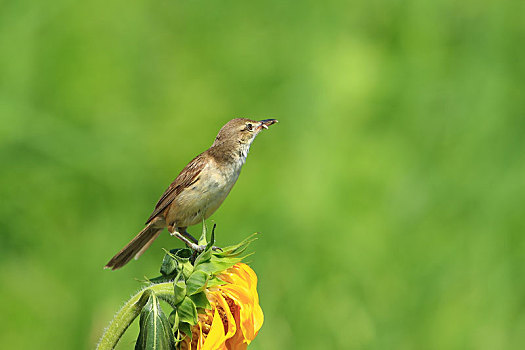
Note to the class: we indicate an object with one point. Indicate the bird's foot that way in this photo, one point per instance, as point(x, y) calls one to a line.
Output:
point(197, 248)
point(200, 248)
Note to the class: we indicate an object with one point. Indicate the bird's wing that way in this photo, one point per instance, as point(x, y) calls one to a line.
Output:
point(187, 177)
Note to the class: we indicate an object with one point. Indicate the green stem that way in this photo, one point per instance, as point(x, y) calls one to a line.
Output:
point(125, 316)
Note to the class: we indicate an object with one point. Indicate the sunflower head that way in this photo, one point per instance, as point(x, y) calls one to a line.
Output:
point(215, 301)
point(213, 296)
point(234, 317)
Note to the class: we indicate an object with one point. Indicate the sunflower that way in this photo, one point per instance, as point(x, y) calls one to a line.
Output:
point(234, 318)
point(214, 301)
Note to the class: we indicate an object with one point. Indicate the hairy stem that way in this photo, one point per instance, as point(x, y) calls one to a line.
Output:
point(125, 316)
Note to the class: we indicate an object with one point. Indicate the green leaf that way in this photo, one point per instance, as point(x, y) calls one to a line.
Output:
point(182, 254)
point(185, 328)
point(196, 282)
point(200, 300)
point(169, 265)
point(187, 311)
point(179, 289)
point(155, 329)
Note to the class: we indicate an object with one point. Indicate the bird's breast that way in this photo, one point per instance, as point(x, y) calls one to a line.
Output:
point(204, 196)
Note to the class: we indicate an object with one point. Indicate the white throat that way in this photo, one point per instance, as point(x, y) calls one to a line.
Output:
point(243, 153)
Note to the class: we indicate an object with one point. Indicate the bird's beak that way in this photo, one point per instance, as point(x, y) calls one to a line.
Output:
point(267, 122)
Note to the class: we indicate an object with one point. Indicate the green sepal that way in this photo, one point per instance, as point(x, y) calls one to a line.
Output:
point(155, 329)
point(159, 279)
point(201, 301)
point(179, 289)
point(212, 238)
point(174, 320)
point(174, 261)
point(185, 328)
point(203, 257)
point(169, 265)
point(217, 264)
point(237, 249)
point(178, 335)
point(144, 298)
point(183, 256)
point(187, 270)
point(203, 238)
point(187, 311)
point(196, 282)
point(215, 282)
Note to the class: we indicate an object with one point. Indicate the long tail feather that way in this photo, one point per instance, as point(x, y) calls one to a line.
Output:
point(136, 247)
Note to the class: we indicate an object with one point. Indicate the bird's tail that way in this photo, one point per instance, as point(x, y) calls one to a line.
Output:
point(137, 246)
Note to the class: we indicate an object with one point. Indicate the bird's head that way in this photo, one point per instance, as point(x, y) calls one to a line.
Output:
point(242, 131)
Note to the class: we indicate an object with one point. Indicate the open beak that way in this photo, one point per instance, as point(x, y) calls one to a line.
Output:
point(267, 122)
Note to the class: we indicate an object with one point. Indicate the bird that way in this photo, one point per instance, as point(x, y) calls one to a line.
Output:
point(198, 191)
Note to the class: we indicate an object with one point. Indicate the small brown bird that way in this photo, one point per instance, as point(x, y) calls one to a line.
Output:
point(199, 189)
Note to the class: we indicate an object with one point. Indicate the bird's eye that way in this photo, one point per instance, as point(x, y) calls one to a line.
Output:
point(249, 127)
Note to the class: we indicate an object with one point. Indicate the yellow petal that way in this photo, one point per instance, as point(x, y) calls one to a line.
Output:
point(231, 276)
point(216, 338)
point(232, 328)
point(249, 278)
point(247, 274)
point(237, 341)
point(258, 319)
point(250, 321)
point(245, 318)
point(200, 341)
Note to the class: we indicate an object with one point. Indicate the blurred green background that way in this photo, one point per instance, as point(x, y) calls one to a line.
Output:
point(390, 197)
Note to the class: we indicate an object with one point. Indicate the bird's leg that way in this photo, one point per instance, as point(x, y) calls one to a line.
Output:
point(187, 235)
point(188, 242)
point(198, 248)
point(194, 240)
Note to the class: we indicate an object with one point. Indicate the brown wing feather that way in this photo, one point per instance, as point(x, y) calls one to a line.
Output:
point(187, 177)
